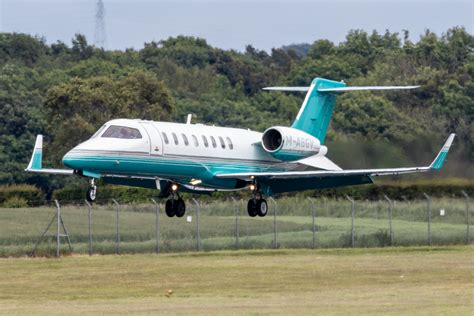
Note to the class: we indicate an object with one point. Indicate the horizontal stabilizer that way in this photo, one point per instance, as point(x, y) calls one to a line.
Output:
point(347, 89)
point(297, 89)
point(341, 89)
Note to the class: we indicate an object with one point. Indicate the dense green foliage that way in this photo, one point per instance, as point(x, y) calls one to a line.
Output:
point(67, 92)
point(20, 195)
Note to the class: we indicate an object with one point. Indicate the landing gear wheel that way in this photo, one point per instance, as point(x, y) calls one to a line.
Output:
point(261, 207)
point(252, 207)
point(91, 193)
point(179, 207)
point(170, 208)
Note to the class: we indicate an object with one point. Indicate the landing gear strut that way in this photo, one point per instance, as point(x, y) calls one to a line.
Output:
point(92, 191)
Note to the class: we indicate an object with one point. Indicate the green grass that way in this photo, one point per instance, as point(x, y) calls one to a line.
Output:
point(421, 281)
point(20, 228)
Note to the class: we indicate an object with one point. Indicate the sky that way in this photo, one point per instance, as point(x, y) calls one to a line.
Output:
point(231, 24)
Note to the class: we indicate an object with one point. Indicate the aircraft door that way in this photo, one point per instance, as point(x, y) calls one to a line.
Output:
point(156, 142)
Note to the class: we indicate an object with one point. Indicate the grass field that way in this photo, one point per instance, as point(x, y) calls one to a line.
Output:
point(20, 228)
point(421, 281)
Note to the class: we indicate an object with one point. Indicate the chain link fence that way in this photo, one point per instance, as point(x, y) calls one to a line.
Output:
point(296, 222)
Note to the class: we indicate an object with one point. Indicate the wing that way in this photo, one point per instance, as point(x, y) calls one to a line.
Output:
point(435, 165)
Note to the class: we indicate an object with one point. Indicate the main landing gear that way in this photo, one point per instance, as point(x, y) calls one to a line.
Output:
point(175, 205)
point(92, 191)
point(257, 205)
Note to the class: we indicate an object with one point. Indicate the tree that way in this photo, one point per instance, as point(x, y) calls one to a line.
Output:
point(76, 109)
point(22, 47)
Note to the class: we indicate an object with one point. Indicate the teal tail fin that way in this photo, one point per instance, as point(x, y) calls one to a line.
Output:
point(317, 108)
point(316, 111)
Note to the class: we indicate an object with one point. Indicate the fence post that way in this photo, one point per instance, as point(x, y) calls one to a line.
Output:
point(237, 223)
point(390, 210)
point(117, 227)
point(274, 222)
point(89, 207)
point(468, 230)
point(428, 200)
point(198, 233)
point(313, 215)
point(58, 239)
point(353, 216)
point(157, 226)
point(325, 207)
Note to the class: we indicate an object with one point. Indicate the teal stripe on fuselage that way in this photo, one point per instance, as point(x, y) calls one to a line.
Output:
point(182, 167)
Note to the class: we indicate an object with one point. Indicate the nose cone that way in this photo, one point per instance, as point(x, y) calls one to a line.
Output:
point(71, 160)
point(67, 160)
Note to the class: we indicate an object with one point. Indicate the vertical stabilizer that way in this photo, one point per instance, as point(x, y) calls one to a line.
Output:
point(317, 108)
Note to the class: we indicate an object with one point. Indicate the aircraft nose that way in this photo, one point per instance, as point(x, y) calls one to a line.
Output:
point(70, 160)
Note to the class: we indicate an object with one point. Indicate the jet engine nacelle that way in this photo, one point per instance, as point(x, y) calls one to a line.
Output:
point(289, 144)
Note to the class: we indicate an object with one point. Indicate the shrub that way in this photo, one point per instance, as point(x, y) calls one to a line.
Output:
point(28, 193)
point(15, 202)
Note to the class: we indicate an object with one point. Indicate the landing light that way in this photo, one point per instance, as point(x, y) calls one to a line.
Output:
point(174, 187)
point(195, 181)
point(252, 187)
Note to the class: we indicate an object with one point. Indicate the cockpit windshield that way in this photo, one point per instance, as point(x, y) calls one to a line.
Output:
point(125, 132)
point(98, 131)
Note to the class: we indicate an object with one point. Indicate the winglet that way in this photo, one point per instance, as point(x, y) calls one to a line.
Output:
point(37, 156)
point(441, 157)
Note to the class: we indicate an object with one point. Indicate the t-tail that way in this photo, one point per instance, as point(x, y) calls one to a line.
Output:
point(316, 111)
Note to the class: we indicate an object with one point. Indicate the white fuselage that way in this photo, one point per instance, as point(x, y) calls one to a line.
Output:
point(174, 151)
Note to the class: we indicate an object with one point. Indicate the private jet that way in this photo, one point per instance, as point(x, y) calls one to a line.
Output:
point(197, 158)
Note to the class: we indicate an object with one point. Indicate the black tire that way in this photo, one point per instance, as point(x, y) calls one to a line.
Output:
point(170, 208)
point(179, 208)
point(262, 207)
point(252, 208)
point(91, 194)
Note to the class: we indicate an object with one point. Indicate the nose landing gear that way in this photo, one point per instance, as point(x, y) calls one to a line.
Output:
point(92, 191)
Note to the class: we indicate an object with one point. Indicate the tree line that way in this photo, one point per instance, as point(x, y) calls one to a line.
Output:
point(67, 91)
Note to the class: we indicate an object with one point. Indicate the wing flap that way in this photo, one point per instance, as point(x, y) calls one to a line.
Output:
point(320, 162)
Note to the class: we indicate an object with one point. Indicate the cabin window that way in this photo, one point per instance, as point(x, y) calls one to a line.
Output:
point(213, 141)
point(204, 139)
point(165, 137)
point(229, 143)
point(175, 138)
point(195, 140)
point(185, 139)
point(99, 131)
point(124, 132)
point(221, 140)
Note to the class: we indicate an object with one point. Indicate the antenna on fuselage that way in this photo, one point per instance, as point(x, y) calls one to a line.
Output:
point(188, 120)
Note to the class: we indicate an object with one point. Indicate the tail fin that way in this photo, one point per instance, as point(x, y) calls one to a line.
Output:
point(316, 111)
point(318, 105)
